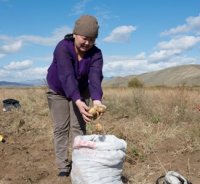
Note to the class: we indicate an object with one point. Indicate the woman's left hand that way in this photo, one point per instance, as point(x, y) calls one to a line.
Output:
point(83, 108)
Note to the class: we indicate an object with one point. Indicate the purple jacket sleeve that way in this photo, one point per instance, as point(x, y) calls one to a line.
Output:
point(96, 76)
point(66, 71)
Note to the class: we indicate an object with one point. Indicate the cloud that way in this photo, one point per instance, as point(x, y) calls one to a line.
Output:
point(23, 65)
point(141, 56)
point(79, 7)
point(132, 65)
point(123, 65)
point(166, 54)
point(4, 74)
point(37, 72)
point(2, 55)
point(120, 34)
point(181, 43)
point(104, 15)
point(32, 73)
point(162, 55)
point(57, 35)
point(11, 47)
point(6, 38)
point(19, 75)
point(182, 60)
point(192, 25)
point(174, 47)
point(14, 44)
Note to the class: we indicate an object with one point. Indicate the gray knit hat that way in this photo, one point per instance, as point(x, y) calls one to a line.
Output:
point(86, 25)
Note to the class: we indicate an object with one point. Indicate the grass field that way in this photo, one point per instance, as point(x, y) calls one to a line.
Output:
point(160, 125)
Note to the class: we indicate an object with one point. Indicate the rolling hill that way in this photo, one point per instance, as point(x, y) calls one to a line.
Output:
point(188, 75)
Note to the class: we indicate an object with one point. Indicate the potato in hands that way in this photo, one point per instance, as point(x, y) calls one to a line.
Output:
point(97, 110)
point(101, 108)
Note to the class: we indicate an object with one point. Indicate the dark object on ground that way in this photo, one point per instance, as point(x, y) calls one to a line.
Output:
point(124, 179)
point(64, 174)
point(9, 104)
point(67, 172)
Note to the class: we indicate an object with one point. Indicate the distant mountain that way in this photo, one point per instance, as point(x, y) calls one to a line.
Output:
point(37, 82)
point(107, 78)
point(188, 75)
point(12, 84)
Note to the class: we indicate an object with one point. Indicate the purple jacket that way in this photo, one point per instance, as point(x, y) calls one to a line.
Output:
point(68, 77)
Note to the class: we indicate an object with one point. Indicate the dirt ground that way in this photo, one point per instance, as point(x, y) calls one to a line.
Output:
point(27, 156)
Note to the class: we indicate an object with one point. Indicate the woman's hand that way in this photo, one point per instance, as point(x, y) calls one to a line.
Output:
point(97, 103)
point(83, 108)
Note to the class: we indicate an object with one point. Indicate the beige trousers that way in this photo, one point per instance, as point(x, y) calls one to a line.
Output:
point(66, 119)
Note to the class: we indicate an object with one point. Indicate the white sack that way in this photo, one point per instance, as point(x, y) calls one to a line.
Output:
point(97, 159)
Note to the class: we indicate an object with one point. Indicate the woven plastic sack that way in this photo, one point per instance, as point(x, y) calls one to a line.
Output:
point(97, 159)
point(172, 177)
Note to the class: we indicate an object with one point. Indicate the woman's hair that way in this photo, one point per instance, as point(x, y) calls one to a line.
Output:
point(69, 37)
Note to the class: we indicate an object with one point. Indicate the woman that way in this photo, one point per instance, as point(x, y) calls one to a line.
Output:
point(74, 76)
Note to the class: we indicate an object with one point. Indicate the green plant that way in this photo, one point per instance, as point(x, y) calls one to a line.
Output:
point(135, 83)
point(134, 152)
point(155, 119)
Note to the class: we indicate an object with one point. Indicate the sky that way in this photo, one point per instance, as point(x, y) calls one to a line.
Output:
point(135, 36)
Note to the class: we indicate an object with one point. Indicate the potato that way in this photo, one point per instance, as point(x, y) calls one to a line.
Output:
point(99, 127)
point(92, 111)
point(101, 108)
point(1, 138)
point(97, 110)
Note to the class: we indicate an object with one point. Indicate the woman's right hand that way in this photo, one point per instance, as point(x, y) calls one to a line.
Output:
point(83, 108)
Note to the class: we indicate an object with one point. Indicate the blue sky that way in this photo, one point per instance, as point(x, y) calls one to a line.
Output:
point(136, 36)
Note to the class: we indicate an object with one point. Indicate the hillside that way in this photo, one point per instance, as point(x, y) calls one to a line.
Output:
point(188, 75)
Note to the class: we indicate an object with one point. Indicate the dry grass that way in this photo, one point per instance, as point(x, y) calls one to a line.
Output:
point(154, 122)
point(33, 111)
point(161, 127)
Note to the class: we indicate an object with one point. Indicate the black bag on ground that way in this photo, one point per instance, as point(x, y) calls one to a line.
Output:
point(9, 104)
